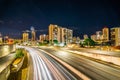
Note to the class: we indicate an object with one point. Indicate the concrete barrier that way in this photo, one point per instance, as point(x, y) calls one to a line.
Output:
point(6, 50)
point(16, 67)
point(103, 57)
point(5, 73)
point(75, 71)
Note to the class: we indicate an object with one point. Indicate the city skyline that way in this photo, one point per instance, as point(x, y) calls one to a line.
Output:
point(83, 17)
point(59, 39)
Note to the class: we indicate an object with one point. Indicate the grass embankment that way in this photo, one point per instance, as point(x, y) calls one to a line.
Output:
point(22, 73)
point(19, 56)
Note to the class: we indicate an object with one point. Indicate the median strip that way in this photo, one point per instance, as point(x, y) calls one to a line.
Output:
point(106, 58)
point(80, 74)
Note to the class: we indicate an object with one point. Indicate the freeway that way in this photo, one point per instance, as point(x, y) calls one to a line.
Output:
point(46, 68)
point(6, 50)
point(5, 61)
point(91, 68)
point(111, 53)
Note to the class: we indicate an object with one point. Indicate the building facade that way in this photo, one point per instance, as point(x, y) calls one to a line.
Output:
point(1, 40)
point(67, 35)
point(62, 35)
point(25, 37)
point(99, 36)
point(33, 34)
point(54, 33)
point(43, 37)
point(85, 36)
point(115, 36)
point(105, 34)
point(93, 37)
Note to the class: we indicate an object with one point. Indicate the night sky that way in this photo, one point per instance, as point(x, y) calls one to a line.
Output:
point(83, 16)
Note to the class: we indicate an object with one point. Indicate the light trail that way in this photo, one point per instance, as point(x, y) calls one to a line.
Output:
point(88, 66)
point(41, 72)
point(43, 69)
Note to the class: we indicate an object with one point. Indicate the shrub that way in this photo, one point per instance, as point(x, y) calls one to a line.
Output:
point(19, 53)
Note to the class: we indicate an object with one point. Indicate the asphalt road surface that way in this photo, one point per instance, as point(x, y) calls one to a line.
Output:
point(91, 68)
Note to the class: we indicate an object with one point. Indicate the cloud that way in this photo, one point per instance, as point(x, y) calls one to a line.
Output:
point(1, 22)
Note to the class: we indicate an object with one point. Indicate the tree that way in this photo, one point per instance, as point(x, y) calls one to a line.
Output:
point(55, 41)
point(45, 41)
point(15, 42)
point(81, 44)
point(89, 42)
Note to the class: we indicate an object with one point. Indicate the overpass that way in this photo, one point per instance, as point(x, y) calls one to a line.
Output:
point(7, 56)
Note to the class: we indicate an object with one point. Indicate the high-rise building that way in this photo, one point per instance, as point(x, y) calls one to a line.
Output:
point(68, 34)
point(54, 33)
point(93, 37)
point(25, 37)
point(99, 35)
point(105, 34)
point(33, 34)
point(62, 35)
point(115, 36)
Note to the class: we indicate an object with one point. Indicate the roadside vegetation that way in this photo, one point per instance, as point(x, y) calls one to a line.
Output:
point(19, 56)
point(19, 53)
point(18, 71)
point(88, 42)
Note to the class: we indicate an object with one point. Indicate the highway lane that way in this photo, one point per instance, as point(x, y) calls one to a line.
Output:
point(93, 69)
point(46, 68)
point(41, 71)
point(5, 61)
point(30, 68)
point(67, 75)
